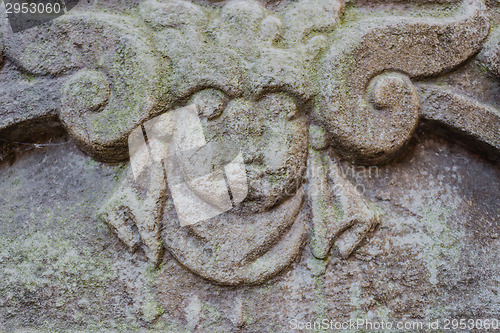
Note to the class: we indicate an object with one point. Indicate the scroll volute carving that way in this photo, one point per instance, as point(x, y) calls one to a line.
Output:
point(367, 101)
point(113, 83)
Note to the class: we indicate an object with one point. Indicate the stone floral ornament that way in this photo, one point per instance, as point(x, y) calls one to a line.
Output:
point(295, 89)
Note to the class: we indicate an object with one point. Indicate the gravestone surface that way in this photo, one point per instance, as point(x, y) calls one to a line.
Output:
point(246, 166)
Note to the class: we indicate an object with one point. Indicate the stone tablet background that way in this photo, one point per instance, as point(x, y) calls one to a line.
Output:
point(370, 137)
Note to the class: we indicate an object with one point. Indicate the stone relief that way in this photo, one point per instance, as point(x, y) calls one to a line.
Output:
point(254, 77)
point(297, 88)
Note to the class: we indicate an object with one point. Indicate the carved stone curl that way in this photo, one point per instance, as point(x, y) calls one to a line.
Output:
point(415, 47)
point(120, 65)
point(255, 76)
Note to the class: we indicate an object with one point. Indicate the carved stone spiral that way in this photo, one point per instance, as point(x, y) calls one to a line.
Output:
point(118, 79)
point(372, 133)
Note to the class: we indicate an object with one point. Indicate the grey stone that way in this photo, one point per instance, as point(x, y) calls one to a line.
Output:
point(490, 54)
point(363, 129)
point(61, 47)
point(357, 201)
point(478, 123)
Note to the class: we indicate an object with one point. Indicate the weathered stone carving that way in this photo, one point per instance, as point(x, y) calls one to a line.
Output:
point(373, 128)
point(477, 123)
point(114, 83)
point(336, 206)
point(490, 54)
point(294, 93)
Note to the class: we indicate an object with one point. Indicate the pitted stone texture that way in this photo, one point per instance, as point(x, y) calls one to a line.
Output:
point(214, 102)
point(477, 124)
point(490, 54)
point(196, 60)
point(213, 249)
point(87, 90)
point(240, 48)
point(416, 47)
point(434, 254)
point(134, 212)
point(439, 238)
point(339, 212)
point(297, 18)
point(2, 47)
point(287, 70)
point(27, 101)
point(272, 134)
point(119, 50)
